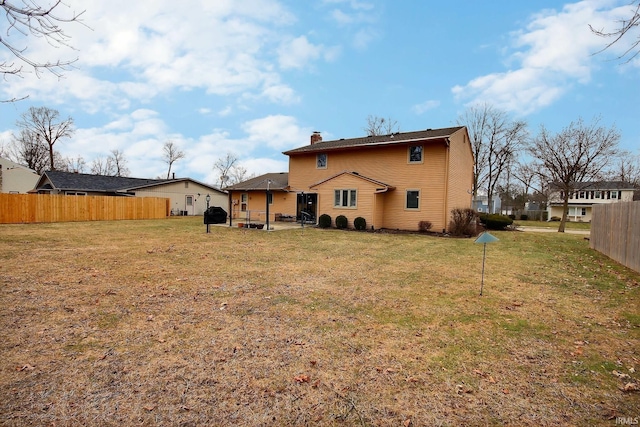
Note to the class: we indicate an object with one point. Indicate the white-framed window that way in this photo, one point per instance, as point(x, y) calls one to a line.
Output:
point(412, 200)
point(614, 194)
point(584, 211)
point(345, 198)
point(189, 200)
point(321, 161)
point(597, 195)
point(75, 193)
point(581, 195)
point(415, 154)
point(244, 197)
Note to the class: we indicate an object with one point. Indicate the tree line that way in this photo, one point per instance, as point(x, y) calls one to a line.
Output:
point(41, 128)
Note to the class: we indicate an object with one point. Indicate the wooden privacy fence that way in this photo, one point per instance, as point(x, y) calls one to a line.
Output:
point(615, 231)
point(31, 208)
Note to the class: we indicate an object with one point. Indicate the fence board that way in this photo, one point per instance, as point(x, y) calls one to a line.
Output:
point(615, 231)
point(31, 208)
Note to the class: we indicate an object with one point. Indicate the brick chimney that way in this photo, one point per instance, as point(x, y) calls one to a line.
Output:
point(316, 137)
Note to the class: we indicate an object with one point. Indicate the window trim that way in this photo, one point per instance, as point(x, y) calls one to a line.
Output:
point(415, 162)
point(339, 196)
point(406, 199)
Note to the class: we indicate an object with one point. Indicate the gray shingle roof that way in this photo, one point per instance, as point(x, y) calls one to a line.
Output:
point(279, 181)
point(85, 182)
point(395, 138)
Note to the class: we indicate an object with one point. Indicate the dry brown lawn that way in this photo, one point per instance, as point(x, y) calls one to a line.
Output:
point(157, 323)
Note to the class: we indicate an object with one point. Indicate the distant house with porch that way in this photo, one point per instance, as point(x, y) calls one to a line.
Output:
point(187, 196)
point(586, 194)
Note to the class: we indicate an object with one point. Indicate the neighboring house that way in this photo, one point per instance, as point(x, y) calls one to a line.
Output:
point(249, 198)
point(15, 178)
point(187, 196)
point(393, 181)
point(481, 204)
point(587, 194)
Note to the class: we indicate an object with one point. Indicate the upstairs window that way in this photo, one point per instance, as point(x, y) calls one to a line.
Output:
point(614, 194)
point(345, 198)
point(321, 161)
point(415, 154)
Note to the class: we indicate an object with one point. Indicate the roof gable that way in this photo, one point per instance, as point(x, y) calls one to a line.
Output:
point(369, 141)
point(381, 186)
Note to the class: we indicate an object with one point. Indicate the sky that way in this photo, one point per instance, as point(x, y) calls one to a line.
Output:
point(254, 78)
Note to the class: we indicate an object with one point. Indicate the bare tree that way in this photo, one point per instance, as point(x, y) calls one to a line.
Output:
point(43, 125)
point(119, 163)
point(170, 154)
point(72, 164)
point(495, 140)
point(225, 165)
point(626, 167)
point(627, 27)
point(381, 126)
point(577, 154)
point(28, 149)
point(102, 166)
point(28, 18)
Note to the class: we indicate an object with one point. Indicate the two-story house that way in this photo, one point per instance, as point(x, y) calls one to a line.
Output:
point(393, 181)
point(587, 194)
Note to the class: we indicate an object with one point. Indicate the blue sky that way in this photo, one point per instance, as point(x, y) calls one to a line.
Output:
point(256, 77)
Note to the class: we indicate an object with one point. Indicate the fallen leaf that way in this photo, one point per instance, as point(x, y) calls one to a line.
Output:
point(629, 387)
point(26, 367)
point(505, 390)
point(301, 378)
point(149, 407)
point(407, 423)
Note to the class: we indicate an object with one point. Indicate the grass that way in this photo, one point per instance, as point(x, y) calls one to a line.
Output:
point(158, 323)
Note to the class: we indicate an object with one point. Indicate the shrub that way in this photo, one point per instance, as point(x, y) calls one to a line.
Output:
point(555, 218)
point(463, 222)
point(424, 226)
point(324, 221)
point(360, 223)
point(495, 221)
point(524, 217)
point(512, 216)
point(341, 221)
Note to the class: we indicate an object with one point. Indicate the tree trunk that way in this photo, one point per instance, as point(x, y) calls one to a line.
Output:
point(565, 208)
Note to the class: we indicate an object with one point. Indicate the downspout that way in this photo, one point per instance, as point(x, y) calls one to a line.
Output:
point(446, 184)
point(230, 208)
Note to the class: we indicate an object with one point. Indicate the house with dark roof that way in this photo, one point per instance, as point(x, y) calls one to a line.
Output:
point(586, 194)
point(187, 196)
point(393, 181)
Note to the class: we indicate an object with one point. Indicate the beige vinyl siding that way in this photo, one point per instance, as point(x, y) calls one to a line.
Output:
point(177, 191)
point(365, 198)
point(283, 203)
point(460, 181)
point(441, 188)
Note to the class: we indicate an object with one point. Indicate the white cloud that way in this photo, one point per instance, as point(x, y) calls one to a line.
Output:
point(138, 50)
point(425, 106)
point(552, 53)
point(276, 131)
